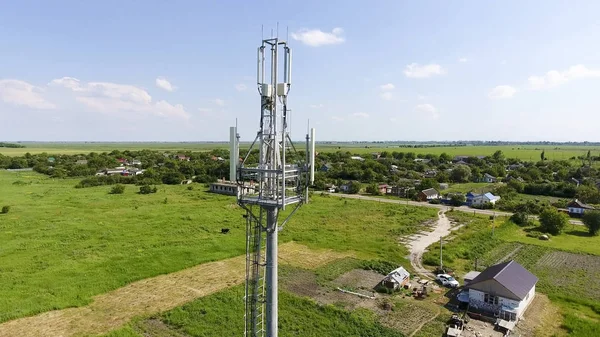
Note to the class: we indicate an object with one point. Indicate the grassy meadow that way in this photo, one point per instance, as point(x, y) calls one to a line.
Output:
point(61, 245)
point(524, 152)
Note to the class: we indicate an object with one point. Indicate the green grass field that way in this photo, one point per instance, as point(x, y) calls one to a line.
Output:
point(524, 152)
point(62, 245)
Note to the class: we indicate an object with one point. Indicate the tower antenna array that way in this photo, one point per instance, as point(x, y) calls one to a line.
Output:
point(279, 178)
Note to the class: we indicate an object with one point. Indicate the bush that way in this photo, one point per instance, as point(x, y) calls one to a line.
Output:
point(552, 221)
point(5, 209)
point(380, 266)
point(591, 219)
point(146, 189)
point(190, 188)
point(117, 189)
point(521, 219)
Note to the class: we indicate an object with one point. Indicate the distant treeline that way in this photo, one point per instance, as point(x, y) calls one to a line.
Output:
point(461, 143)
point(11, 145)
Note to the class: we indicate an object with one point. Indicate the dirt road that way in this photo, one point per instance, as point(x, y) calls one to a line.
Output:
point(112, 310)
point(418, 243)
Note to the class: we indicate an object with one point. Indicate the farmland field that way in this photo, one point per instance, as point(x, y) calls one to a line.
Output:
point(524, 152)
point(62, 245)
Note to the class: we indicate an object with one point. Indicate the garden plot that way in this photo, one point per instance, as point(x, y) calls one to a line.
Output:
point(575, 273)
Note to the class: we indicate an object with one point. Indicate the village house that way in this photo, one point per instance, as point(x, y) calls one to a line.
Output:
point(345, 187)
point(383, 188)
point(357, 158)
point(182, 157)
point(444, 186)
point(457, 159)
point(461, 162)
point(430, 174)
point(396, 279)
point(136, 162)
point(422, 160)
point(577, 208)
point(504, 290)
point(488, 178)
point(400, 191)
point(485, 198)
point(229, 188)
point(428, 194)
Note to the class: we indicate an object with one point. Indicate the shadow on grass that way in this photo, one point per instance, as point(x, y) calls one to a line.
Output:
point(579, 233)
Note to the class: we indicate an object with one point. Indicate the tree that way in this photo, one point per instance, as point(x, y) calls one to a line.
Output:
point(444, 157)
point(520, 218)
point(543, 155)
point(457, 200)
point(354, 187)
point(373, 189)
point(460, 174)
point(428, 183)
point(498, 156)
point(552, 221)
point(591, 219)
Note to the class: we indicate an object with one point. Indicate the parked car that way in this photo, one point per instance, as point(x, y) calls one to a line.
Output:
point(447, 280)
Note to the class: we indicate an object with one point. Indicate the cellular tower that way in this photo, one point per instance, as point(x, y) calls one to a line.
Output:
point(268, 184)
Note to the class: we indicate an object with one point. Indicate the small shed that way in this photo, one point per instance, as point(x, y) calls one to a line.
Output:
point(397, 278)
point(470, 276)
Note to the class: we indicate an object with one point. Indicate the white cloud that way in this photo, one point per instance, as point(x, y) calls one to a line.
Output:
point(463, 60)
point(316, 106)
point(337, 119)
point(316, 37)
point(360, 115)
point(554, 78)
point(114, 98)
point(429, 109)
point(415, 70)
point(163, 83)
point(219, 102)
point(240, 87)
point(389, 86)
point(387, 96)
point(502, 91)
point(18, 92)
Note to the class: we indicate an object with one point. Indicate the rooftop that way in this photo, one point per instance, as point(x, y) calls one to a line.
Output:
point(515, 278)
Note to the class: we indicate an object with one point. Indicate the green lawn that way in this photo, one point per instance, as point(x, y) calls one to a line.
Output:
point(524, 152)
point(574, 239)
point(59, 245)
point(468, 187)
point(221, 315)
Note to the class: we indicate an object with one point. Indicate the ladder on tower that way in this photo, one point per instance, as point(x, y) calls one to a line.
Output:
point(255, 276)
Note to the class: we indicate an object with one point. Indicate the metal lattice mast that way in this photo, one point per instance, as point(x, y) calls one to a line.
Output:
point(266, 187)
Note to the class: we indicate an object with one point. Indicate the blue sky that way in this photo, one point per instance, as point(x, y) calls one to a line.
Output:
point(380, 70)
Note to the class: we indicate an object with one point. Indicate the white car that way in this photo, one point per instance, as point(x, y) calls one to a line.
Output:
point(447, 280)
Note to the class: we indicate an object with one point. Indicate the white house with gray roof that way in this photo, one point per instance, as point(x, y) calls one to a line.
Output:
point(505, 290)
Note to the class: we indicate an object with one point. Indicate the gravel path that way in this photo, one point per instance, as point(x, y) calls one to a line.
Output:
point(418, 243)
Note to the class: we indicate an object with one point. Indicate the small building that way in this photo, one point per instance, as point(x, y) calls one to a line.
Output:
point(430, 174)
point(357, 158)
point(470, 276)
point(422, 160)
point(428, 194)
point(485, 198)
point(345, 187)
point(383, 188)
point(229, 188)
point(182, 157)
point(461, 162)
point(577, 208)
point(400, 191)
point(514, 167)
point(444, 186)
point(325, 167)
point(488, 178)
point(457, 159)
point(81, 162)
point(51, 159)
point(504, 290)
point(469, 198)
point(136, 162)
point(396, 279)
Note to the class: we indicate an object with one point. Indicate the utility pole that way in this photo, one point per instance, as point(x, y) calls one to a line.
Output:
point(441, 261)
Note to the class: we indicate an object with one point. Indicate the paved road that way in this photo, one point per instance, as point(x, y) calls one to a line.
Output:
point(426, 204)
